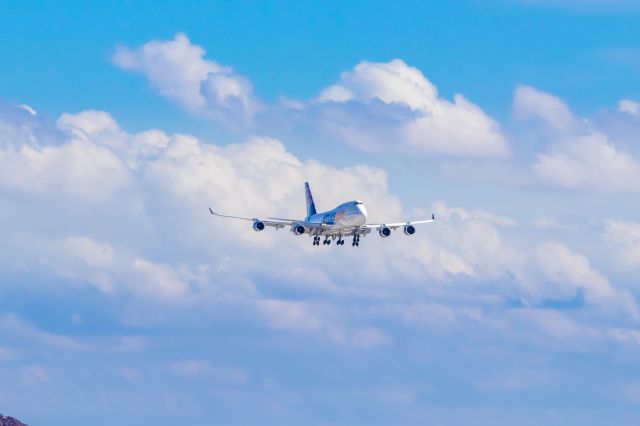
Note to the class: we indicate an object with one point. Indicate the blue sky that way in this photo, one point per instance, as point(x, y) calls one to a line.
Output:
point(516, 122)
point(294, 49)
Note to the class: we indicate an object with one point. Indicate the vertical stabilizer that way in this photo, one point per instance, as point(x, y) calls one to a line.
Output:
point(311, 206)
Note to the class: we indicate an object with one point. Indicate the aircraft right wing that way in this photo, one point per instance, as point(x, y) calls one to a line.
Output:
point(273, 222)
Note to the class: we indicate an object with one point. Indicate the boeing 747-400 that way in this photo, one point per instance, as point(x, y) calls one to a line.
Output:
point(347, 220)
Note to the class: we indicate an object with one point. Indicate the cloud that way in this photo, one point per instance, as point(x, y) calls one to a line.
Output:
point(23, 333)
point(376, 107)
point(82, 260)
point(77, 169)
point(159, 189)
point(160, 186)
point(441, 317)
point(151, 245)
point(178, 70)
point(184, 176)
point(564, 267)
point(307, 318)
point(517, 380)
point(551, 223)
point(528, 102)
point(589, 162)
point(626, 238)
point(629, 107)
point(573, 272)
point(578, 156)
point(204, 369)
point(170, 297)
point(453, 213)
point(391, 106)
point(28, 109)
point(33, 160)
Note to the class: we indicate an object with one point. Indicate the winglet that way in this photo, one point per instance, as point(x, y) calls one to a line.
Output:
point(433, 216)
point(211, 211)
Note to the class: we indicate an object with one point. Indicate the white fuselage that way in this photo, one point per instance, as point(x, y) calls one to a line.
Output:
point(346, 215)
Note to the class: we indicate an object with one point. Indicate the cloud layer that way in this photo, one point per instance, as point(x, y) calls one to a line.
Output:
point(376, 107)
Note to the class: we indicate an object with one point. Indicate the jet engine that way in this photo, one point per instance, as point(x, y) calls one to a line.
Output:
point(258, 225)
point(384, 231)
point(298, 229)
point(409, 229)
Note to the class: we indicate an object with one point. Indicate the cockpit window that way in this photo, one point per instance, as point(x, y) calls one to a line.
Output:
point(357, 203)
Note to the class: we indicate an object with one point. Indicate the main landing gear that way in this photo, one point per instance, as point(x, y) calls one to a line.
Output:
point(316, 241)
point(340, 242)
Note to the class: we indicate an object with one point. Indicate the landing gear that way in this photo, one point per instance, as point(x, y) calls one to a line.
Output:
point(356, 240)
point(339, 242)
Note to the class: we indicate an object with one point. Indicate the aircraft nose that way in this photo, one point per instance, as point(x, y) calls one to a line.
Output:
point(363, 210)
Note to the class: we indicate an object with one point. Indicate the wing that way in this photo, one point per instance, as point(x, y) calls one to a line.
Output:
point(395, 226)
point(273, 222)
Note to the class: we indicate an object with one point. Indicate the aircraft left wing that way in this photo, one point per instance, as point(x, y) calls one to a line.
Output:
point(395, 226)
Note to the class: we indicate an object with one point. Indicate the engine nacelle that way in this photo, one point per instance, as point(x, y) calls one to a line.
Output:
point(258, 225)
point(409, 229)
point(384, 231)
point(298, 229)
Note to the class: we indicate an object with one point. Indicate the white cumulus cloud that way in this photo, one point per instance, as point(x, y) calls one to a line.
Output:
point(178, 70)
point(572, 271)
point(375, 107)
point(530, 102)
point(393, 106)
point(577, 156)
point(588, 162)
point(76, 169)
point(156, 243)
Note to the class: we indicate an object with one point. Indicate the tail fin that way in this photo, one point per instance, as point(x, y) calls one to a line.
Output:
point(311, 206)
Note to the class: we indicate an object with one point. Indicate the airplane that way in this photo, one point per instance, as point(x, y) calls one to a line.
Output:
point(348, 219)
